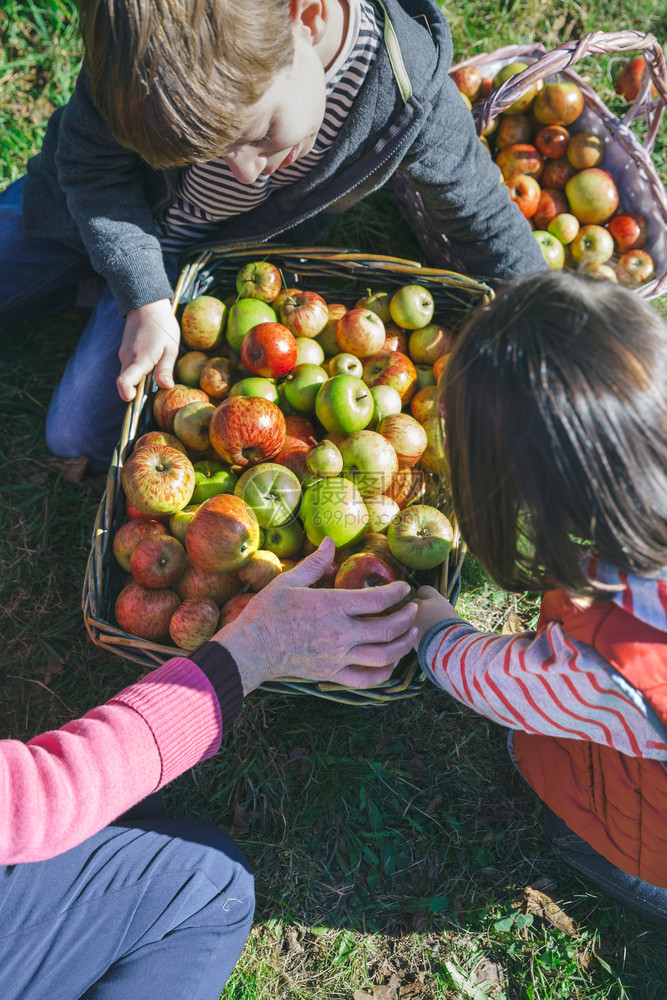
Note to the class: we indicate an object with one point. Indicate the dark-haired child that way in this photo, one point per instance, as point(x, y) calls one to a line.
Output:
point(556, 425)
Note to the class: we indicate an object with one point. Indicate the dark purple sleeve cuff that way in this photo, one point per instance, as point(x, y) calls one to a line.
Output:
point(220, 667)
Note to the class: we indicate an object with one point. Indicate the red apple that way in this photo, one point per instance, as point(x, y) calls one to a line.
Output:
point(259, 280)
point(216, 378)
point(269, 350)
point(130, 534)
point(520, 158)
point(396, 339)
point(512, 129)
point(407, 486)
point(440, 366)
point(198, 582)
point(557, 173)
point(558, 103)
point(634, 268)
point(552, 141)
point(167, 402)
point(593, 196)
point(551, 203)
point(407, 436)
point(158, 479)
point(160, 437)
point(394, 369)
point(427, 344)
point(157, 561)
point(629, 80)
point(194, 622)
point(233, 608)
point(304, 313)
point(361, 570)
point(468, 79)
point(423, 401)
point(525, 191)
point(144, 612)
point(360, 332)
point(203, 323)
point(223, 534)
point(629, 231)
point(245, 430)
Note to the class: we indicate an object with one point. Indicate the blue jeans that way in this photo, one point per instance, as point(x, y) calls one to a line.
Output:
point(152, 908)
point(644, 898)
point(38, 277)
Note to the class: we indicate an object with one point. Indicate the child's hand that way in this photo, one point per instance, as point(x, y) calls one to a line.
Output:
point(432, 607)
point(150, 344)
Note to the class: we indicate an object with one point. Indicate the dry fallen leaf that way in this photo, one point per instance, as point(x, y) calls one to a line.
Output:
point(71, 469)
point(41, 110)
point(52, 668)
point(541, 904)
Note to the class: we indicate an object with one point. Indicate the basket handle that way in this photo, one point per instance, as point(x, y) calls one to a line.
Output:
point(596, 42)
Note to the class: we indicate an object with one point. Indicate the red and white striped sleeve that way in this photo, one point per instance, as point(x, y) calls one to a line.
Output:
point(542, 682)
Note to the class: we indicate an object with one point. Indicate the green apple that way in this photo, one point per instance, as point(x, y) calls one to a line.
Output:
point(272, 491)
point(324, 459)
point(254, 385)
point(345, 364)
point(420, 537)
point(425, 376)
point(302, 385)
point(178, 522)
point(509, 70)
point(370, 461)
point(381, 512)
point(308, 351)
point(344, 404)
point(412, 307)
point(243, 315)
point(285, 540)
point(334, 508)
point(552, 249)
point(377, 302)
point(211, 478)
point(189, 367)
point(386, 400)
point(327, 338)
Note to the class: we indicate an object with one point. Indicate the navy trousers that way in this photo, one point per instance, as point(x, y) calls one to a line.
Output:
point(145, 909)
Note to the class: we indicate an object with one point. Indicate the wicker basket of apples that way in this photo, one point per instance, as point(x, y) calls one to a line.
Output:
point(580, 175)
point(302, 409)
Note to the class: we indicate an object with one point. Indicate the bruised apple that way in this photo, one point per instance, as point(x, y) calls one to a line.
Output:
point(191, 425)
point(216, 378)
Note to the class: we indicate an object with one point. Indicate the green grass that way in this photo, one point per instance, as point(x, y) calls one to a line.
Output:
point(392, 845)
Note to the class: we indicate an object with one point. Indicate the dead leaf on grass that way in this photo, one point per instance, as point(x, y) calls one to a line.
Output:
point(52, 668)
point(71, 469)
point(388, 992)
point(513, 623)
point(41, 110)
point(243, 818)
point(541, 904)
point(434, 803)
point(294, 946)
point(490, 975)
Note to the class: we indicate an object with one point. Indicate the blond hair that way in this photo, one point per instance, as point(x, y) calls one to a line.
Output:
point(175, 79)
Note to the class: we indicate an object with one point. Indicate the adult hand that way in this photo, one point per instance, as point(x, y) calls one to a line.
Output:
point(432, 608)
point(150, 344)
point(291, 630)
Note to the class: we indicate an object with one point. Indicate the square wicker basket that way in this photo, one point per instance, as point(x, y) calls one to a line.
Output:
point(626, 158)
point(349, 275)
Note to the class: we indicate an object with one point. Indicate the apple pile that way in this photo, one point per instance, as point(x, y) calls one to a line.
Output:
point(555, 173)
point(292, 419)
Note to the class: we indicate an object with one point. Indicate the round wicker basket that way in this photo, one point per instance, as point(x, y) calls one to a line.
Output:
point(347, 274)
point(626, 158)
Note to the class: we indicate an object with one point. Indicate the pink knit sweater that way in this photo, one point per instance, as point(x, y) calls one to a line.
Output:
point(64, 786)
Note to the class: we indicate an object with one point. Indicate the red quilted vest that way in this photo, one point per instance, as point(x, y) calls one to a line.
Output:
point(617, 803)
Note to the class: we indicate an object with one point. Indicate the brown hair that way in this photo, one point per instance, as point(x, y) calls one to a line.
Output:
point(556, 420)
point(175, 79)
